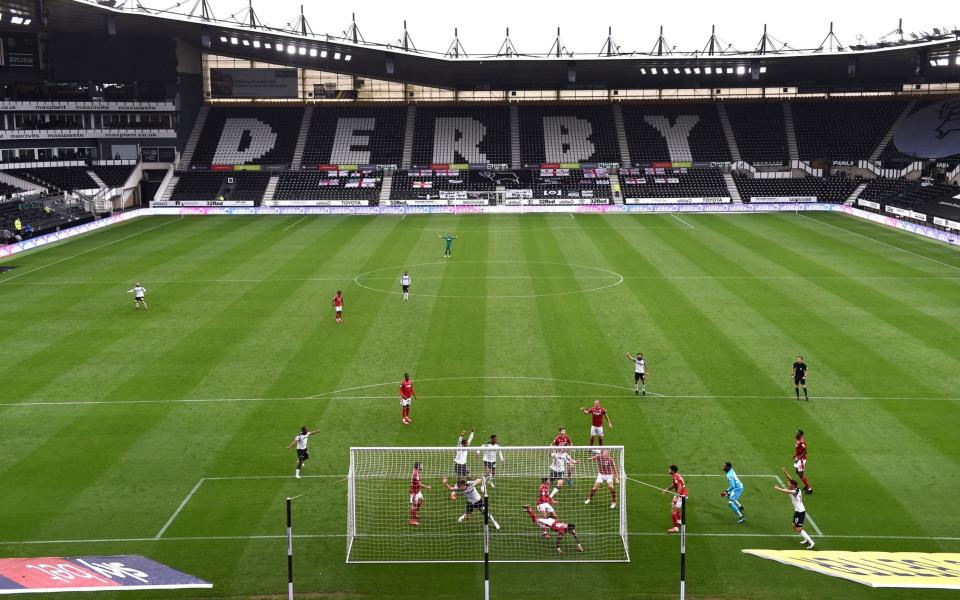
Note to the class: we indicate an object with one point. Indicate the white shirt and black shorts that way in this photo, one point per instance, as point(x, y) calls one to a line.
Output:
point(490, 452)
point(640, 370)
point(799, 510)
point(302, 453)
point(558, 466)
point(473, 498)
point(405, 283)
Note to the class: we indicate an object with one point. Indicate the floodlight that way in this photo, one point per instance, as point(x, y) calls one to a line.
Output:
point(313, 51)
point(234, 41)
point(336, 56)
point(741, 70)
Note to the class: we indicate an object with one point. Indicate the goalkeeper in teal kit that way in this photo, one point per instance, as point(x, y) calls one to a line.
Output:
point(733, 492)
point(448, 250)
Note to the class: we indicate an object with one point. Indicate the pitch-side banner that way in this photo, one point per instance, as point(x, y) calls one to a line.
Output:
point(939, 571)
point(91, 574)
point(253, 83)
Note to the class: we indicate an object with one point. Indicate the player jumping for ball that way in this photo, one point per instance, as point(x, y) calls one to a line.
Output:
point(139, 296)
point(639, 373)
point(548, 524)
point(607, 473)
point(407, 396)
point(301, 442)
point(598, 414)
point(338, 306)
point(799, 510)
point(678, 488)
point(490, 451)
point(468, 489)
point(416, 494)
point(560, 467)
point(460, 458)
point(800, 461)
point(800, 378)
point(405, 285)
point(733, 492)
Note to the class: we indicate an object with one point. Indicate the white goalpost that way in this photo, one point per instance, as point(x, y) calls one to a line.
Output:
point(379, 528)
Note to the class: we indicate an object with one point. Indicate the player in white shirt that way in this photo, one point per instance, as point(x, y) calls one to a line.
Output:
point(799, 510)
point(560, 460)
point(460, 458)
point(405, 285)
point(301, 442)
point(490, 450)
point(139, 295)
point(639, 373)
point(468, 489)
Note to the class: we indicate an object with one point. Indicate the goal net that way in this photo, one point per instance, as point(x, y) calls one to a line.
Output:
point(379, 507)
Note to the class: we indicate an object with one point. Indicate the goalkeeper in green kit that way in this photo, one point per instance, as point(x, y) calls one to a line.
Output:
point(449, 247)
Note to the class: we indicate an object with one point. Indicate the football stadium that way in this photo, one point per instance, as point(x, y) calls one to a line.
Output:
point(291, 314)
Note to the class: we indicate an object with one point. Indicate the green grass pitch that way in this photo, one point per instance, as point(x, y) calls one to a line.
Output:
point(109, 416)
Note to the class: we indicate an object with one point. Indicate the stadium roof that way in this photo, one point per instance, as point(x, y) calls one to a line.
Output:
point(883, 66)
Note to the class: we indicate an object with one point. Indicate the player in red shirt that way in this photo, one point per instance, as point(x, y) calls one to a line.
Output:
point(416, 495)
point(678, 487)
point(608, 473)
point(407, 395)
point(598, 414)
point(338, 306)
point(800, 461)
point(548, 524)
point(545, 499)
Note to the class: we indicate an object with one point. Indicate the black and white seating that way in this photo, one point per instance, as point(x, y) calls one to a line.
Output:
point(355, 135)
point(248, 135)
point(461, 134)
point(674, 132)
point(568, 134)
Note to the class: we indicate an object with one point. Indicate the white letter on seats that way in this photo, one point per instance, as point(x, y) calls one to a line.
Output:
point(233, 149)
point(351, 144)
point(677, 135)
point(458, 136)
point(565, 139)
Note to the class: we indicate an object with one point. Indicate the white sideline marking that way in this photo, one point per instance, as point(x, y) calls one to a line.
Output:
point(294, 223)
point(665, 277)
point(179, 508)
point(881, 242)
point(809, 518)
point(682, 221)
point(56, 262)
point(325, 396)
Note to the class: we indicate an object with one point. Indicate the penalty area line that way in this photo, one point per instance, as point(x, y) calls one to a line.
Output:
point(682, 221)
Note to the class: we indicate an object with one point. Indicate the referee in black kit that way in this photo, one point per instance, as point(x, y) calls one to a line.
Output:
point(800, 378)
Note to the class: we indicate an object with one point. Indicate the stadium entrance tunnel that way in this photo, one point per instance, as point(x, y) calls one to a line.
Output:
point(490, 279)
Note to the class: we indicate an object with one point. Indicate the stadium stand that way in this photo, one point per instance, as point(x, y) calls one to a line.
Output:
point(248, 135)
point(113, 175)
point(880, 189)
point(842, 130)
point(462, 134)
point(58, 178)
point(43, 217)
point(323, 185)
point(584, 184)
point(208, 185)
point(7, 190)
point(675, 132)
point(355, 135)
point(568, 134)
point(419, 184)
point(758, 128)
point(824, 189)
point(651, 183)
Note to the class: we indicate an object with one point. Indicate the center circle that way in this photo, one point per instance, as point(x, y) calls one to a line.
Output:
point(499, 282)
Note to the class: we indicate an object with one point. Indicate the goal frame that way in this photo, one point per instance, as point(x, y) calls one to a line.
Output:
point(352, 497)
